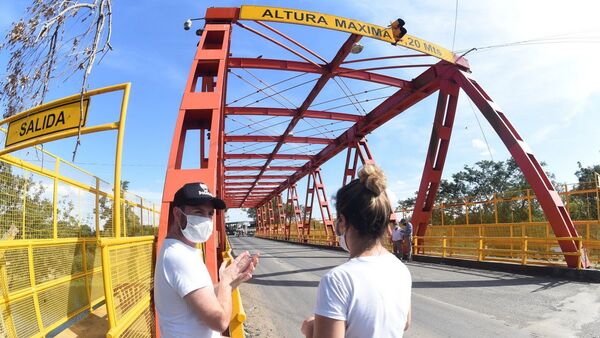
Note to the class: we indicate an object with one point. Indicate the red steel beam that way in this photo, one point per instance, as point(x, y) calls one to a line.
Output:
point(327, 74)
point(315, 114)
point(268, 38)
point(305, 67)
point(290, 39)
point(239, 184)
point(251, 168)
point(264, 177)
point(547, 196)
point(265, 156)
point(436, 156)
point(279, 139)
point(421, 87)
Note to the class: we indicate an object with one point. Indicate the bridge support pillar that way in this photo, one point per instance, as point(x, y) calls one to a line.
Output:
point(202, 109)
point(548, 197)
point(436, 157)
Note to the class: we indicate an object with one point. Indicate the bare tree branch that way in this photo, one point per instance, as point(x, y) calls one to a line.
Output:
point(40, 48)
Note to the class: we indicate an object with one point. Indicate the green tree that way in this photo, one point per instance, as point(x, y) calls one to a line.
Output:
point(481, 182)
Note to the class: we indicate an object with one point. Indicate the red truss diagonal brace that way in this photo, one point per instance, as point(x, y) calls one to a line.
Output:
point(436, 155)
point(271, 217)
point(548, 197)
point(293, 212)
point(327, 74)
point(315, 186)
point(357, 150)
point(280, 215)
point(259, 221)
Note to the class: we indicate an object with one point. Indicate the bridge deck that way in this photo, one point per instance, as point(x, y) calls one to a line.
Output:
point(447, 301)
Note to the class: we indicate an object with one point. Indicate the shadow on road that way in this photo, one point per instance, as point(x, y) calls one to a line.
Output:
point(271, 282)
point(290, 272)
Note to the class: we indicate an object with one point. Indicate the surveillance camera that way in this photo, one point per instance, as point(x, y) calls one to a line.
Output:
point(199, 31)
point(187, 24)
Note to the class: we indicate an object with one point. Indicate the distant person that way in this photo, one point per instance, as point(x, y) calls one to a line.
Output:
point(408, 238)
point(370, 295)
point(187, 303)
point(397, 237)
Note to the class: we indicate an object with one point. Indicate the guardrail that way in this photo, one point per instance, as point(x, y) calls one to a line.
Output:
point(522, 250)
point(238, 315)
point(44, 282)
point(128, 265)
point(526, 250)
point(53, 215)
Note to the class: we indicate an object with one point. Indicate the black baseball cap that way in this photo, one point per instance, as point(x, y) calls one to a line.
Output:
point(195, 194)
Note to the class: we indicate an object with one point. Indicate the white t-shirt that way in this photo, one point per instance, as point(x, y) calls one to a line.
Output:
point(372, 294)
point(179, 271)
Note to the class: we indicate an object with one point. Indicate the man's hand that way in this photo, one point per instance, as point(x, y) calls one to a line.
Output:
point(308, 326)
point(240, 269)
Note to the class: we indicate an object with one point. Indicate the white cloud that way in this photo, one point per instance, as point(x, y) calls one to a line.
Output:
point(482, 147)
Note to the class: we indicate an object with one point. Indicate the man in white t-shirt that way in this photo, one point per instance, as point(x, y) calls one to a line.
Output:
point(186, 301)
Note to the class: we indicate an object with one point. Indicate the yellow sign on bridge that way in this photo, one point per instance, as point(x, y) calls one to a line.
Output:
point(46, 121)
point(302, 17)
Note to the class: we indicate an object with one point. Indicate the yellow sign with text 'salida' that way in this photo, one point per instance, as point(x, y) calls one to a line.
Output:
point(45, 121)
point(302, 17)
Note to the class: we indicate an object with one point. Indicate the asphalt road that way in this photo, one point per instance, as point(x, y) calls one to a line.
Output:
point(447, 301)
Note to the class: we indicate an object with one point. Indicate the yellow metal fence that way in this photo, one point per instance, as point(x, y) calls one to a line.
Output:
point(56, 225)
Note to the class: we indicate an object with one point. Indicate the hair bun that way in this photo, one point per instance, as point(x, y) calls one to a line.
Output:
point(373, 178)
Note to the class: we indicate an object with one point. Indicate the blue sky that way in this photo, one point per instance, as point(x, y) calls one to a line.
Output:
point(549, 91)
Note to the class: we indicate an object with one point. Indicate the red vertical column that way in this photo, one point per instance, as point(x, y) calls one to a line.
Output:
point(270, 217)
point(202, 108)
point(281, 216)
point(324, 206)
point(259, 221)
point(436, 156)
point(294, 213)
point(308, 205)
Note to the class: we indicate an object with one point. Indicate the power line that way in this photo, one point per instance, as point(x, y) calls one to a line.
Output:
point(481, 129)
point(455, 21)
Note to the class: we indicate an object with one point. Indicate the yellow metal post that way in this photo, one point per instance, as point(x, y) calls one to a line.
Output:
point(480, 255)
point(36, 303)
point(108, 290)
point(118, 155)
point(55, 200)
point(88, 288)
point(496, 207)
point(529, 205)
point(524, 251)
point(579, 252)
point(444, 247)
point(24, 206)
point(97, 216)
point(141, 216)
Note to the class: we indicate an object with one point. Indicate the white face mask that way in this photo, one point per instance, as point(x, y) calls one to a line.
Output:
point(198, 228)
point(341, 237)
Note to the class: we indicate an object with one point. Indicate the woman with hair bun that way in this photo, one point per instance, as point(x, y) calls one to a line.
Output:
point(368, 296)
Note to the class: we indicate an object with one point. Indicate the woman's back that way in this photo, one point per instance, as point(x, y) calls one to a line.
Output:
point(370, 293)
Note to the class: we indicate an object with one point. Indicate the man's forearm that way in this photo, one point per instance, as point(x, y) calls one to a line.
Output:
point(223, 293)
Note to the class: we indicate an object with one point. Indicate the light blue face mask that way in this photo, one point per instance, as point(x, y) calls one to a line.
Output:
point(342, 237)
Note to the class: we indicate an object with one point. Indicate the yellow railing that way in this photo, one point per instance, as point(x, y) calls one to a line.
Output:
point(54, 219)
point(238, 315)
point(44, 282)
point(483, 242)
point(522, 250)
point(128, 265)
